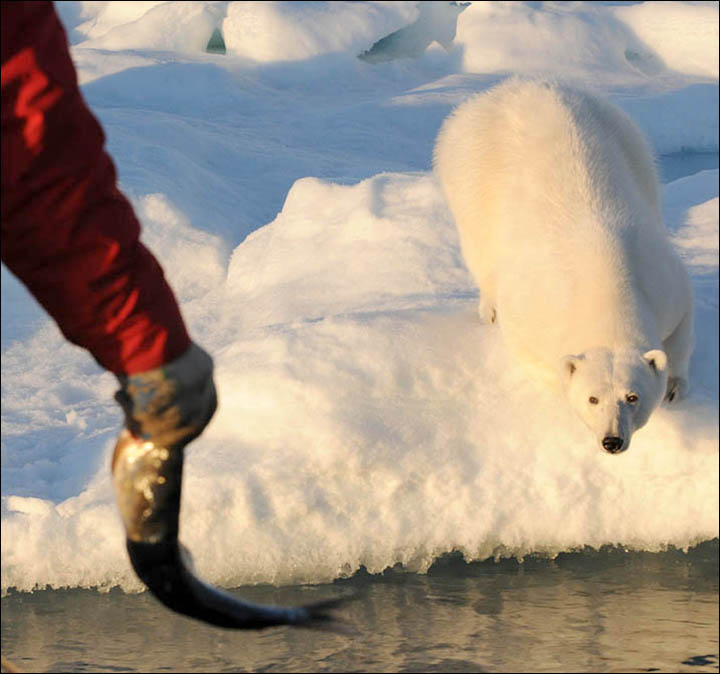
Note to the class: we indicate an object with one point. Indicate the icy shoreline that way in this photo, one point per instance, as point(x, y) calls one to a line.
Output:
point(367, 417)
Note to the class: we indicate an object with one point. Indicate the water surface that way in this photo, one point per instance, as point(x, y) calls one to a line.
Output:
point(608, 611)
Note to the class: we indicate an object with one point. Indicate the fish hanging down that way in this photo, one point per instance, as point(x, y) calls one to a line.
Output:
point(147, 481)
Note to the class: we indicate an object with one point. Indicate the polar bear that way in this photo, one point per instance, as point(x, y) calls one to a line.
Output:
point(556, 200)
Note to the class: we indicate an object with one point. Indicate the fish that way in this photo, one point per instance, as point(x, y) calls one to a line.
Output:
point(147, 481)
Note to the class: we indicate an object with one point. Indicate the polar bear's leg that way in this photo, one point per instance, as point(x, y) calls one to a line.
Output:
point(487, 309)
point(678, 347)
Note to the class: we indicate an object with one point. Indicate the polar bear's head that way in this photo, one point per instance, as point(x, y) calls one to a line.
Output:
point(614, 393)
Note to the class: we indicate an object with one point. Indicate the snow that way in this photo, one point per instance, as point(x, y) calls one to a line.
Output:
point(366, 416)
point(187, 26)
point(684, 120)
point(270, 32)
point(619, 44)
point(687, 46)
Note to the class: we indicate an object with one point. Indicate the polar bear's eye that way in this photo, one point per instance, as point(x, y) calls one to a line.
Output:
point(631, 398)
point(593, 400)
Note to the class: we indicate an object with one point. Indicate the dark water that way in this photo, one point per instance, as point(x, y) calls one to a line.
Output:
point(607, 611)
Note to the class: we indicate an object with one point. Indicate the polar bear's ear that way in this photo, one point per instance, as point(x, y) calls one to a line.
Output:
point(656, 359)
point(570, 364)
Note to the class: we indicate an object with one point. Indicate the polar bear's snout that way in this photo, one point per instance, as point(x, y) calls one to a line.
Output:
point(613, 444)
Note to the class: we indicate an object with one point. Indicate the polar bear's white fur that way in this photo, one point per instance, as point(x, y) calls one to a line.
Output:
point(555, 196)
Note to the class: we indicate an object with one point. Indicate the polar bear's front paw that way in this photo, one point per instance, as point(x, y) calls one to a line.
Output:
point(677, 389)
point(488, 312)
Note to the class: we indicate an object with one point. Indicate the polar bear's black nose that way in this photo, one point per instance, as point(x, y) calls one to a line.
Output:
point(613, 444)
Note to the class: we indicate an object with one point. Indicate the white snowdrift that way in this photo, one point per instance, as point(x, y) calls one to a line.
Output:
point(606, 43)
point(166, 26)
point(95, 19)
point(271, 31)
point(382, 422)
point(683, 34)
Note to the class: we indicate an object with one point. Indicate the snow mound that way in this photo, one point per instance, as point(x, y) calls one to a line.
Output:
point(626, 43)
point(195, 260)
point(337, 249)
point(270, 31)
point(95, 19)
point(683, 34)
point(164, 26)
point(370, 418)
point(589, 39)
